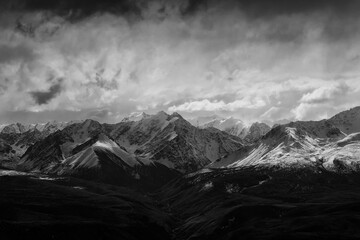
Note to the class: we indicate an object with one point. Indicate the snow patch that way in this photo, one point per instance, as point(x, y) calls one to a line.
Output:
point(12, 173)
point(111, 146)
point(172, 136)
point(232, 188)
point(166, 123)
point(48, 178)
point(207, 186)
point(166, 162)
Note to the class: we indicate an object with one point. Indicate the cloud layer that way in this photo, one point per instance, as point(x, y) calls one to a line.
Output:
point(249, 59)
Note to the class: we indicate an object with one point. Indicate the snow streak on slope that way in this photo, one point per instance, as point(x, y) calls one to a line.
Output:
point(287, 148)
point(88, 158)
point(294, 146)
point(172, 140)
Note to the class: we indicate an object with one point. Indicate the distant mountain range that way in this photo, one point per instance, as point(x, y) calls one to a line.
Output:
point(143, 145)
point(247, 132)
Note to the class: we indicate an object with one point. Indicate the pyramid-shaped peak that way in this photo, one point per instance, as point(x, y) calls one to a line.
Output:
point(160, 116)
point(176, 114)
point(161, 113)
point(91, 122)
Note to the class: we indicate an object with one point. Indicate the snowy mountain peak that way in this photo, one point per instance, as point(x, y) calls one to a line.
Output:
point(89, 122)
point(200, 121)
point(254, 132)
point(233, 125)
point(135, 117)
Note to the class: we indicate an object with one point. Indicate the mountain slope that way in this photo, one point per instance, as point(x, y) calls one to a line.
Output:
point(230, 125)
point(73, 152)
point(254, 132)
point(171, 140)
point(347, 121)
point(299, 144)
point(20, 137)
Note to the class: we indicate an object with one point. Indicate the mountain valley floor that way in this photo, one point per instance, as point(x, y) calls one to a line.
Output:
point(247, 203)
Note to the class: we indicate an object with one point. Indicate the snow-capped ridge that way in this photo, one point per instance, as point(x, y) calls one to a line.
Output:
point(135, 117)
point(297, 145)
point(349, 139)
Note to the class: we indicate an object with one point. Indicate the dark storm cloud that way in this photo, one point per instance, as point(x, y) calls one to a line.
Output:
point(74, 9)
point(254, 8)
point(277, 7)
point(43, 97)
point(338, 25)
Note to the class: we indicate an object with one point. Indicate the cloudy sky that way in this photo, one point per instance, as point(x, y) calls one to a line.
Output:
point(251, 59)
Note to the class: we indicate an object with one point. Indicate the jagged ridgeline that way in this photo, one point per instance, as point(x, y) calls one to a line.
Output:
point(158, 175)
point(172, 143)
point(157, 146)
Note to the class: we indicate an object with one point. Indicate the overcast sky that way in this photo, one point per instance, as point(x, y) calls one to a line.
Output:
point(254, 60)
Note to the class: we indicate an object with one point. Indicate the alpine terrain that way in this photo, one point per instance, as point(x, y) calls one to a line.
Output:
point(161, 176)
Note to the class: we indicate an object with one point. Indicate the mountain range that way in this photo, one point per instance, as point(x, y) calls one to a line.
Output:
point(158, 145)
point(332, 144)
point(161, 175)
point(173, 142)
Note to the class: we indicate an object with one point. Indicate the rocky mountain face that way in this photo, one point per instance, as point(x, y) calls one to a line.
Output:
point(254, 132)
point(347, 121)
point(304, 144)
point(19, 137)
point(150, 150)
point(98, 158)
point(172, 141)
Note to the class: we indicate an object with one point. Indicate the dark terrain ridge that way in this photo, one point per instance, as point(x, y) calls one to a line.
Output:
point(125, 197)
point(221, 204)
